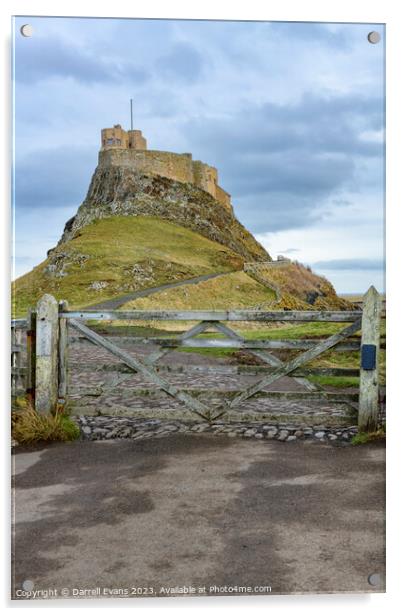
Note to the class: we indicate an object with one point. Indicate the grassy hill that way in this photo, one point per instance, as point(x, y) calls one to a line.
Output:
point(302, 289)
point(117, 255)
point(233, 290)
point(299, 288)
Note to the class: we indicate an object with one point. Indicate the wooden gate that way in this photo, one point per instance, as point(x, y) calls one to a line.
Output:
point(50, 357)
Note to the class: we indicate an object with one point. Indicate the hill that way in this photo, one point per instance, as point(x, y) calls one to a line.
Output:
point(117, 255)
point(240, 290)
point(122, 191)
point(232, 290)
point(136, 231)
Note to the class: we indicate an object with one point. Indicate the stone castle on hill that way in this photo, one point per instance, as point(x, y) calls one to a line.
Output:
point(129, 149)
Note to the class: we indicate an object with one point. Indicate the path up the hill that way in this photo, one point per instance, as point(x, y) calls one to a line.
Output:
point(117, 302)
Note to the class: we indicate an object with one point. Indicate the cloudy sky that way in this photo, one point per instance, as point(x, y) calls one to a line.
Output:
point(291, 114)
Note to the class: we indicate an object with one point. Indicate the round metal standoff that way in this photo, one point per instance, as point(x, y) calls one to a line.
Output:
point(373, 37)
point(26, 30)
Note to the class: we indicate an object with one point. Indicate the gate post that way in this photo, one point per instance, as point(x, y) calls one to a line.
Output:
point(63, 354)
point(46, 371)
point(369, 360)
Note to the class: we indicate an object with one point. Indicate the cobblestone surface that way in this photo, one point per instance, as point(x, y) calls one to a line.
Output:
point(99, 390)
point(104, 428)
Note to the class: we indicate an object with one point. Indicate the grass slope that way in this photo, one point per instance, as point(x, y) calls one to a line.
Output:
point(233, 290)
point(114, 256)
point(302, 289)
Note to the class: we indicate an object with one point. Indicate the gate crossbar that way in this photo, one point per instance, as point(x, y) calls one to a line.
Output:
point(196, 405)
point(290, 366)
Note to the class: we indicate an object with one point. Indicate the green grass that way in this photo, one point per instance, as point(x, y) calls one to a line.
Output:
point(122, 329)
point(335, 381)
point(231, 291)
point(107, 250)
point(368, 437)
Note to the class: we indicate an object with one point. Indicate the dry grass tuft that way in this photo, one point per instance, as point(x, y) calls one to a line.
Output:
point(28, 426)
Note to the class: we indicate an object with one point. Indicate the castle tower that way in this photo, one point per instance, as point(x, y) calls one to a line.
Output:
point(117, 137)
point(136, 141)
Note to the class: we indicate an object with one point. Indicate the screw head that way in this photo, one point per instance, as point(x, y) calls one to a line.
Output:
point(26, 30)
point(374, 579)
point(373, 37)
point(28, 585)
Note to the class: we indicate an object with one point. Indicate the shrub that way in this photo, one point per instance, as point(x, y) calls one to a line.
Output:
point(28, 426)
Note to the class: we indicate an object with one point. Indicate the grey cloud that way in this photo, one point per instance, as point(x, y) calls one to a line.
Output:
point(350, 264)
point(40, 59)
point(274, 211)
point(311, 33)
point(183, 63)
point(281, 163)
point(301, 172)
point(314, 123)
point(53, 177)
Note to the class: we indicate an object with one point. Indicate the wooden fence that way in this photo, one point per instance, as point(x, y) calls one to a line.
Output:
point(46, 369)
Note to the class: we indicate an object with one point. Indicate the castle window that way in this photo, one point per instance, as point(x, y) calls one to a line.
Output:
point(110, 141)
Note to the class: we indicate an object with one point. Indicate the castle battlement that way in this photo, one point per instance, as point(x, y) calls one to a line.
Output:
point(129, 149)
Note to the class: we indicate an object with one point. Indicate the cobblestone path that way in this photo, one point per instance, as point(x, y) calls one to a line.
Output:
point(94, 387)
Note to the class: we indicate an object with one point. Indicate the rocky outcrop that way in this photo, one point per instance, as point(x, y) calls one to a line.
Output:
point(121, 191)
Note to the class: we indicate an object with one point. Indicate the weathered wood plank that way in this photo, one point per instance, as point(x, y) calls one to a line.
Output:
point(369, 382)
point(18, 391)
point(344, 316)
point(46, 373)
point(152, 358)
point(197, 406)
point(150, 393)
point(198, 328)
point(232, 370)
point(220, 343)
point(19, 323)
point(275, 361)
point(298, 361)
point(228, 331)
point(63, 353)
point(17, 382)
point(19, 371)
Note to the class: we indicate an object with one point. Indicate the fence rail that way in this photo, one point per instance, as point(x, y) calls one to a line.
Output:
point(47, 342)
point(301, 316)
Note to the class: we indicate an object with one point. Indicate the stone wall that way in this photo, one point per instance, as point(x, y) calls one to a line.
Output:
point(151, 162)
point(223, 197)
point(179, 167)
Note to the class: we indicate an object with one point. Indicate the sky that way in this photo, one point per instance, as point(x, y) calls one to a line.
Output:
point(291, 114)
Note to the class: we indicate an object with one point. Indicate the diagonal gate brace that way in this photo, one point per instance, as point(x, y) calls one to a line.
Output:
point(195, 405)
point(290, 366)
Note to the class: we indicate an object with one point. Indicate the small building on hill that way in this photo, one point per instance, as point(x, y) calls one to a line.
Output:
point(129, 149)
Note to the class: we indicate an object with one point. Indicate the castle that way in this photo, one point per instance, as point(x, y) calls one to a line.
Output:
point(129, 149)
